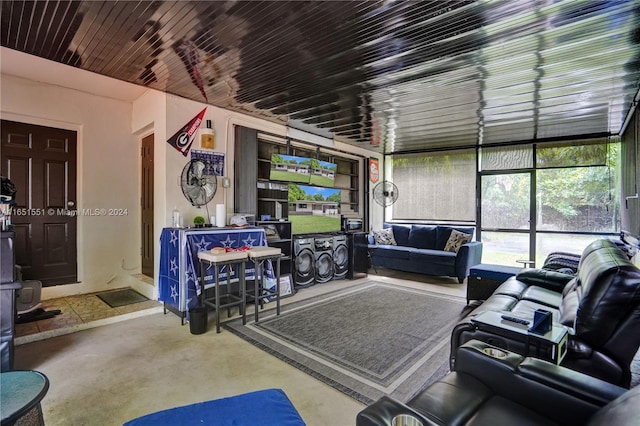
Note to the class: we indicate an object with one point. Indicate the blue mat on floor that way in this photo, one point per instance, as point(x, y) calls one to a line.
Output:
point(270, 407)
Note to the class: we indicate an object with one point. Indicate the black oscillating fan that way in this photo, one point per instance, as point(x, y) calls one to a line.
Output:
point(385, 193)
point(198, 184)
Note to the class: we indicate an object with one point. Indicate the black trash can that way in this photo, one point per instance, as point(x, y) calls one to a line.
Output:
point(198, 320)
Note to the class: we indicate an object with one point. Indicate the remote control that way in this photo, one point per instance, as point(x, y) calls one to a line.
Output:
point(515, 319)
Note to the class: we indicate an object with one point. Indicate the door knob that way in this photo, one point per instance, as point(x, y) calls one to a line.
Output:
point(70, 204)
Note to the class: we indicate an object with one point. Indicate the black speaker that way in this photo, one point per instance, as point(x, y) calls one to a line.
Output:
point(358, 255)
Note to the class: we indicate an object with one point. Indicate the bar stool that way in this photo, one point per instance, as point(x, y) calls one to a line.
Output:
point(218, 260)
point(259, 255)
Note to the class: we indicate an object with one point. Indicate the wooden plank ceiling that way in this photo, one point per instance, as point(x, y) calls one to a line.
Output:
point(391, 76)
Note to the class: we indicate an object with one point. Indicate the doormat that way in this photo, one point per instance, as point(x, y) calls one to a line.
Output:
point(119, 298)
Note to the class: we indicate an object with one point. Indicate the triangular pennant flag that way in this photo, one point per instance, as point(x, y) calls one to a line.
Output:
point(184, 137)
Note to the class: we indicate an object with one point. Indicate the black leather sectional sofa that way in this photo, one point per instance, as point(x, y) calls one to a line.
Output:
point(600, 306)
point(494, 382)
point(494, 387)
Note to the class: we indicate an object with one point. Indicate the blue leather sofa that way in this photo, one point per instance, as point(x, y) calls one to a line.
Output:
point(420, 249)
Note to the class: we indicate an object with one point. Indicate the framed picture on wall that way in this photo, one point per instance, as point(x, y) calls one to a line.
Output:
point(286, 288)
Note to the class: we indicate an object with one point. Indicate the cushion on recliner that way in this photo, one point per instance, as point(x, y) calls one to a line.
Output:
point(423, 237)
point(543, 296)
point(621, 411)
point(501, 411)
point(511, 287)
point(541, 277)
point(452, 400)
point(497, 302)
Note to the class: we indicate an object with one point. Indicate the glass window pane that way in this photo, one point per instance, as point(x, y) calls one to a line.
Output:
point(435, 186)
point(567, 243)
point(505, 201)
point(577, 199)
point(505, 248)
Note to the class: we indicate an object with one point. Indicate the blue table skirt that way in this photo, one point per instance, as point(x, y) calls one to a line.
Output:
point(270, 407)
point(180, 268)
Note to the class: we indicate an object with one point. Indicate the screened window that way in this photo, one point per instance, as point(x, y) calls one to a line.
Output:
point(578, 199)
point(506, 158)
point(435, 186)
point(578, 154)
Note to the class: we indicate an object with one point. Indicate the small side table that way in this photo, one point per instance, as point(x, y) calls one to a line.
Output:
point(217, 260)
point(259, 255)
point(526, 263)
point(20, 396)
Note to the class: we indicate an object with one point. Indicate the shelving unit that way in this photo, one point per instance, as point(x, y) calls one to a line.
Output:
point(283, 241)
point(273, 199)
point(255, 193)
point(347, 180)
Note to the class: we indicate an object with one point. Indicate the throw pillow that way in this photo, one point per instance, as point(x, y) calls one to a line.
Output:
point(384, 237)
point(401, 234)
point(444, 232)
point(456, 240)
point(422, 237)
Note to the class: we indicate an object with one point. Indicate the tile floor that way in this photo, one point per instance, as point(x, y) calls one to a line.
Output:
point(78, 312)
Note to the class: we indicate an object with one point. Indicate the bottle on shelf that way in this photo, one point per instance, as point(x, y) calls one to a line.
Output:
point(207, 137)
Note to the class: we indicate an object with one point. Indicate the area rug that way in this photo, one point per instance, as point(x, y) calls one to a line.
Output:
point(123, 297)
point(366, 340)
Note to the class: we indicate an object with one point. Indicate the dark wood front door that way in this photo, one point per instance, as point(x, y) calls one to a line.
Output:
point(41, 163)
point(147, 206)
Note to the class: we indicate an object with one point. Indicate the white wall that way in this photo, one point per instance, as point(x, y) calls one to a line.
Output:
point(108, 247)
point(111, 118)
point(166, 115)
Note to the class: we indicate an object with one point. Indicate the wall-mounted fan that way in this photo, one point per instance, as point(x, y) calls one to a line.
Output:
point(197, 183)
point(385, 193)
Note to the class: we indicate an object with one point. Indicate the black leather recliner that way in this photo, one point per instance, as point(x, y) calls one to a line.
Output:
point(508, 389)
point(600, 306)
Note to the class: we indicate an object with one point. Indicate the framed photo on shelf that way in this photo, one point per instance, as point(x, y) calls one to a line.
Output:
point(271, 232)
point(286, 288)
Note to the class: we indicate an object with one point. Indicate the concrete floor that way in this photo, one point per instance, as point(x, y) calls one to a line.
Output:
point(113, 373)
